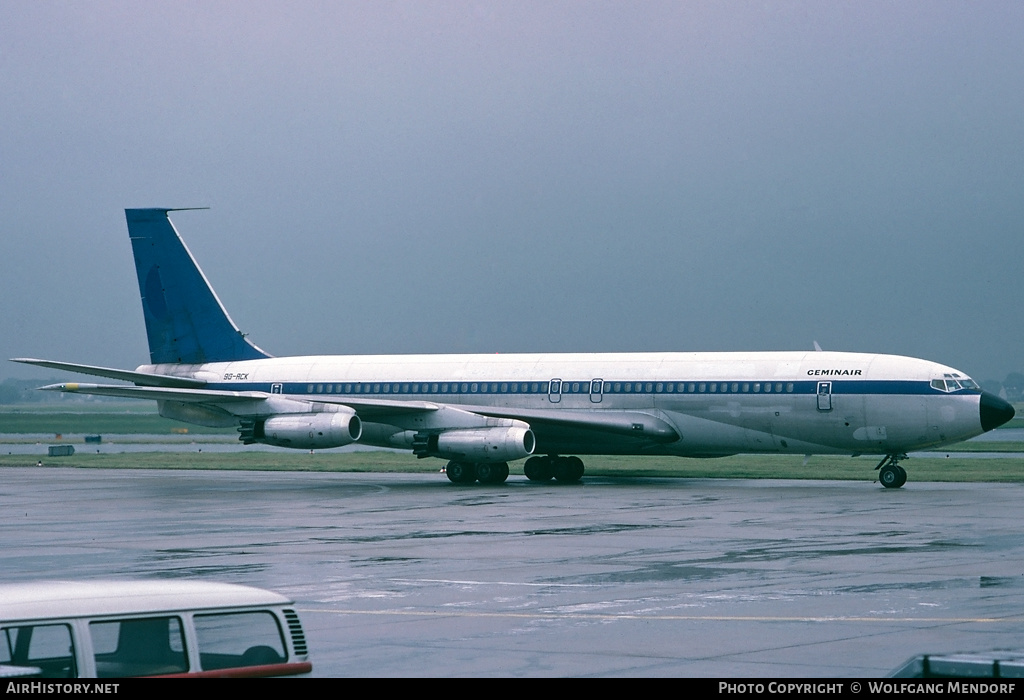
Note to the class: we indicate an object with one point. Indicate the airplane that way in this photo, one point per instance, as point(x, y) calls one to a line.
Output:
point(481, 412)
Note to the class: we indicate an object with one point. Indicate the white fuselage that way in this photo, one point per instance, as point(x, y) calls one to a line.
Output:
point(684, 404)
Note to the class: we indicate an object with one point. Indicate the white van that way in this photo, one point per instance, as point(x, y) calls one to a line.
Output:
point(118, 629)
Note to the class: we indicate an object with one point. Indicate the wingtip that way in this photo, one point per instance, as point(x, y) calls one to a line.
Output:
point(59, 387)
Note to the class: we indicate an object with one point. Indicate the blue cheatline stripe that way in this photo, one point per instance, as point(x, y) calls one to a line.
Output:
point(583, 388)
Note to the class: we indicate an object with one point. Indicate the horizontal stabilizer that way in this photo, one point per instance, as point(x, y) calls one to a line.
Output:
point(371, 408)
point(141, 378)
point(157, 393)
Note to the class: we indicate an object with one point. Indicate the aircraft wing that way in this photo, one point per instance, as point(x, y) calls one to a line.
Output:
point(380, 409)
point(141, 378)
point(639, 424)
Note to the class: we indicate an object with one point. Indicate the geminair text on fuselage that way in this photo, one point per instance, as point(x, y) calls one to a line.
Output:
point(482, 411)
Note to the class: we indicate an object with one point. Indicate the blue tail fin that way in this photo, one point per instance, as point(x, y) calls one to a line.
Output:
point(185, 321)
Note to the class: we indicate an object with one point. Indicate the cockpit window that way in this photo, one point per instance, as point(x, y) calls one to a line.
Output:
point(967, 382)
point(954, 382)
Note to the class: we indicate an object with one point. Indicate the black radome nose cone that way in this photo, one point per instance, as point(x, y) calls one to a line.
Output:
point(994, 411)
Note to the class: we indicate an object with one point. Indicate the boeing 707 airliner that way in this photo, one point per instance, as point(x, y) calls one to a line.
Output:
point(481, 412)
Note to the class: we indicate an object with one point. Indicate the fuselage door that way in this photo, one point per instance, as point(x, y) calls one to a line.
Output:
point(596, 388)
point(824, 396)
point(555, 390)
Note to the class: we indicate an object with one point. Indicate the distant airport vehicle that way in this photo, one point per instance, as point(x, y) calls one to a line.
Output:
point(118, 629)
point(483, 411)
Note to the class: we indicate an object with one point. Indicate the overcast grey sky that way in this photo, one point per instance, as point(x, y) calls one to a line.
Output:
point(395, 177)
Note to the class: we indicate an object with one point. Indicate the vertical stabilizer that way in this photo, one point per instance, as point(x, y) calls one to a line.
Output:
point(185, 321)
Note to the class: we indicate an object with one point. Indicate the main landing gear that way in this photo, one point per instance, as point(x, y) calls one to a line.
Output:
point(890, 473)
point(566, 470)
point(484, 472)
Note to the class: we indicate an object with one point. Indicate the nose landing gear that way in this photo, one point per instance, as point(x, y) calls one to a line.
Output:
point(890, 474)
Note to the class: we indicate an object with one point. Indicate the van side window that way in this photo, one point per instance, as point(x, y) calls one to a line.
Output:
point(235, 640)
point(149, 646)
point(46, 648)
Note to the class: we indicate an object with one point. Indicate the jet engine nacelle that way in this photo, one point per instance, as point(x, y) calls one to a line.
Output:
point(486, 444)
point(312, 430)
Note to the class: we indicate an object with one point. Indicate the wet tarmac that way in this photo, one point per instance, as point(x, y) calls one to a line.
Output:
point(398, 575)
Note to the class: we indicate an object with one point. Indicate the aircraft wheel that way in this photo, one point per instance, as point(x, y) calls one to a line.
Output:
point(890, 477)
point(492, 472)
point(903, 476)
point(576, 468)
point(566, 469)
point(461, 472)
point(538, 469)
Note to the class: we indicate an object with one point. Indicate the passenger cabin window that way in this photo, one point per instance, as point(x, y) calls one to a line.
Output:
point(239, 640)
point(152, 646)
point(46, 649)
